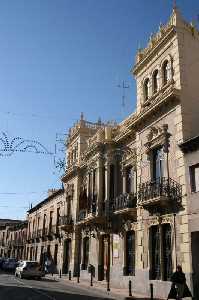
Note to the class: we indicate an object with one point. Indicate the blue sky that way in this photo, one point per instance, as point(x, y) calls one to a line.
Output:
point(58, 58)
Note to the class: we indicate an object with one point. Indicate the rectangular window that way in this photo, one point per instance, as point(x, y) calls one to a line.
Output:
point(58, 216)
point(129, 179)
point(158, 164)
point(55, 254)
point(112, 181)
point(194, 178)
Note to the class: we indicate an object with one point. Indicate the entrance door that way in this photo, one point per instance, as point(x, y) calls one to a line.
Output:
point(106, 255)
point(130, 253)
point(195, 262)
point(67, 247)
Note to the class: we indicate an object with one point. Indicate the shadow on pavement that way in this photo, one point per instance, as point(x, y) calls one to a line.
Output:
point(29, 293)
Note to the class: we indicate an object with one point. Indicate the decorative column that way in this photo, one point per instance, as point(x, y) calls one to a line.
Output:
point(124, 180)
point(100, 187)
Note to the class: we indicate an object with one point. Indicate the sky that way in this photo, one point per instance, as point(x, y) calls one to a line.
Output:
point(59, 58)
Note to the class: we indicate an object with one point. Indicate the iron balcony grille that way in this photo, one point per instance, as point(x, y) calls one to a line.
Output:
point(65, 220)
point(124, 201)
point(90, 210)
point(161, 187)
point(82, 215)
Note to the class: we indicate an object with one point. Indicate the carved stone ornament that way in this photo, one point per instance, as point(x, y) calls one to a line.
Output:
point(157, 136)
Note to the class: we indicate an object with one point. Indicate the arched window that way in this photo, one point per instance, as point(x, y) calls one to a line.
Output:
point(155, 81)
point(165, 72)
point(146, 89)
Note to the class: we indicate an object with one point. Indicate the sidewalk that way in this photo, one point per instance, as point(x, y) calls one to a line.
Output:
point(99, 286)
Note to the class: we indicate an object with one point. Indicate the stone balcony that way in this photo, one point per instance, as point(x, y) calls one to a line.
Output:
point(160, 193)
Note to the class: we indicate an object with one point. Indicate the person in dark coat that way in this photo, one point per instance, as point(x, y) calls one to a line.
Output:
point(179, 288)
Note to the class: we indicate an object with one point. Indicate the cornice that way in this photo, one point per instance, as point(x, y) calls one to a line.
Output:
point(152, 51)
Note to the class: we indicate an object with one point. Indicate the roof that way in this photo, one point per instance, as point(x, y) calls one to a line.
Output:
point(190, 145)
point(48, 199)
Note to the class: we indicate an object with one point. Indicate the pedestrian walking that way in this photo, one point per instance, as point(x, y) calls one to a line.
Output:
point(179, 288)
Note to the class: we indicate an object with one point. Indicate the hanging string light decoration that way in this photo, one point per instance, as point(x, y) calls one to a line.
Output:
point(18, 144)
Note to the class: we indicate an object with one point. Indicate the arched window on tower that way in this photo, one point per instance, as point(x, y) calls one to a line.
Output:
point(146, 89)
point(165, 72)
point(155, 81)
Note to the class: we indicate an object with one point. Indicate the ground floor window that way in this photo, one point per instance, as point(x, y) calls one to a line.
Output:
point(85, 256)
point(160, 252)
point(129, 268)
point(36, 252)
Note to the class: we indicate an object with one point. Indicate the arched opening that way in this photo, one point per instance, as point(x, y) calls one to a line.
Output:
point(146, 89)
point(165, 72)
point(155, 81)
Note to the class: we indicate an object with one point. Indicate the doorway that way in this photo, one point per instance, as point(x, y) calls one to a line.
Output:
point(66, 261)
point(195, 262)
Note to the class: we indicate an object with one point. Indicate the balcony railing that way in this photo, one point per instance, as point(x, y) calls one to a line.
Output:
point(65, 220)
point(124, 201)
point(44, 231)
point(66, 223)
point(2, 243)
point(39, 233)
point(164, 189)
point(52, 230)
point(82, 215)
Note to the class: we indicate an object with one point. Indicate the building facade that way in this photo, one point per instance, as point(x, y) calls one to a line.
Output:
point(131, 195)
point(44, 238)
point(13, 235)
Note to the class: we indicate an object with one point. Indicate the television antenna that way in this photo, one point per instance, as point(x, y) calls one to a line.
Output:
point(123, 86)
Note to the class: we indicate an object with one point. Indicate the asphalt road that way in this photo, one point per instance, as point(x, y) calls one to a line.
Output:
point(12, 288)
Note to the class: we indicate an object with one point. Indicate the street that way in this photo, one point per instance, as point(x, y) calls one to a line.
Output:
point(46, 289)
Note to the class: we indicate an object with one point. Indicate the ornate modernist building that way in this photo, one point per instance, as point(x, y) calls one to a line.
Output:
point(131, 202)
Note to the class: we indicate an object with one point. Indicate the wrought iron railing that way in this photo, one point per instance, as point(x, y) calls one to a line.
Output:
point(82, 215)
point(44, 231)
point(65, 220)
point(39, 233)
point(166, 187)
point(124, 201)
point(90, 210)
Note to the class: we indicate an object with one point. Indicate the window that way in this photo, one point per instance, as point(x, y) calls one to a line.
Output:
point(130, 253)
point(50, 221)
point(158, 163)
point(146, 89)
point(112, 182)
point(194, 178)
point(165, 71)
point(160, 260)
point(58, 216)
point(155, 81)
point(129, 179)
